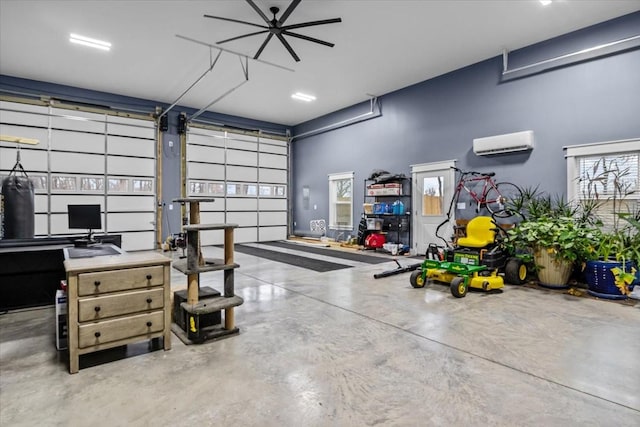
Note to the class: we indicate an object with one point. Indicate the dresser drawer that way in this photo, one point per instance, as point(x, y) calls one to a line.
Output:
point(106, 331)
point(119, 280)
point(96, 308)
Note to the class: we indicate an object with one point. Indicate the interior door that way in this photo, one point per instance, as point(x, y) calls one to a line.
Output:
point(432, 192)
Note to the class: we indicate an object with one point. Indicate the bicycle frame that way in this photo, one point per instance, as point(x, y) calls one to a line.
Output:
point(479, 198)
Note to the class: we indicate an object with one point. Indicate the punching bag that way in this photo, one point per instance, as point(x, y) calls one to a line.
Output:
point(19, 206)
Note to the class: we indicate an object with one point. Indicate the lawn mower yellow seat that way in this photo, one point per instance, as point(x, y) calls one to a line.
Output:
point(480, 233)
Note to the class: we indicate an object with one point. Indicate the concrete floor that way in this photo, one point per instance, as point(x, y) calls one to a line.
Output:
point(342, 349)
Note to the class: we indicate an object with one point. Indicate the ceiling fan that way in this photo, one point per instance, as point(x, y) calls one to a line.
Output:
point(276, 27)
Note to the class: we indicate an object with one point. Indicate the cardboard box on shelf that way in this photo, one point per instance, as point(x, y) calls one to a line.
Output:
point(367, 208)
point(392, 191)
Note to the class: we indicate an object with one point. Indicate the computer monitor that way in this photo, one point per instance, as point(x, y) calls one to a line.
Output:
point(86, 217)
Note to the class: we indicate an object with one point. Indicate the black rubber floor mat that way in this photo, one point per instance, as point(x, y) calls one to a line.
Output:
point(298, 261)
point(330, 252)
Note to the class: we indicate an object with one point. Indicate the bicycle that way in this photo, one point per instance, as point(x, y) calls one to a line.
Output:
point(497, 197)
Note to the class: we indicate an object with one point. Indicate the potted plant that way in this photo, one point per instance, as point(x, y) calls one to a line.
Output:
point(612, 262)
point(611, 270)
point(557, 234)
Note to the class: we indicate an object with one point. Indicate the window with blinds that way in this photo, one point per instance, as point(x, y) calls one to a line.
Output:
point(612, 181)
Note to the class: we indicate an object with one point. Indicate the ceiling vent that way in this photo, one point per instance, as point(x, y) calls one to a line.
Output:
point(507, 143)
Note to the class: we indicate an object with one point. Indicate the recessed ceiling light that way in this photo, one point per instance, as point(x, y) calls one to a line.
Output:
point(87, 41)
point(303, 97)
point(545, 2)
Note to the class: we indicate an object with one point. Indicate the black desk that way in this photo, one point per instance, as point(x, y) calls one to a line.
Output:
point(31, 269)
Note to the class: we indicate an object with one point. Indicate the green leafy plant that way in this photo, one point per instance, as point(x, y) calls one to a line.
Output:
point(623, 279)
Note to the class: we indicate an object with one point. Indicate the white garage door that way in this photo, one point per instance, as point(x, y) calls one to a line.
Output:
point(247, 174)
point(86, 158)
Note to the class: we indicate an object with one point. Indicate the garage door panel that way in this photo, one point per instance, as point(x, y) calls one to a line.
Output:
point(41, 223)
point(81, 142)
point(131, 131)
point(41, 203)
point(77, 163)
point(237, 167)
point(237, 204)
point(275, 176)
point(273, 218)
point(209, 238)
point(60, 225)
point(18, 106)
point(216, 206)
point(59, 202)
point(244, 158)
point(20, 118)
point(235, 138)
point(130, 203)
point(205, 154)
point(78, 120)
point(273, 204)
point(134, 147)
point(150, 124)
point(137, 241)
point(31, 160)
point(241, 173)
point(245, 235)
point(270, 234)
point(206, 171)
point(242, 145)
point(213, 140)
point(42, 135)
point(243, 218)
point(119, 222)
point(212, 217)
point(273, 161)
point(117, 165)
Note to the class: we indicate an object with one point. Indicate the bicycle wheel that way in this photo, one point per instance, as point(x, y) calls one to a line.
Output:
point(500, 199)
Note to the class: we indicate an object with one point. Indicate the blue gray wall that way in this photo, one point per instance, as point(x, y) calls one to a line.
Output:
point(586, 102)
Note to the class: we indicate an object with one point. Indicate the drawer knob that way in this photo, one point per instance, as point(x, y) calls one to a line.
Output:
point(149, 300)
point(97, 283)
point(148, 277)
point(149, 324)
point(97, 334)
point(97, 308)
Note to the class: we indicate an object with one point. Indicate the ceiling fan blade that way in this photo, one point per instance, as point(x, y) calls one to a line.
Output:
point(288, 46)
point(235, 20)
point(311, 39)
point(261, 13)
point(287, 12)
point(264, 44)
point(311, 23)
point(243, 36)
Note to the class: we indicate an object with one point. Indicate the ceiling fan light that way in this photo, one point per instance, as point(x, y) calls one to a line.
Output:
point(303, 97)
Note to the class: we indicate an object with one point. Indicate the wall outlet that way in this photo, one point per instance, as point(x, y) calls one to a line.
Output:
point(170, 144)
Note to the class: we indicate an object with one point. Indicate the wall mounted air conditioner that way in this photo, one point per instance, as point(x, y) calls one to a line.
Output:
point(508, 143)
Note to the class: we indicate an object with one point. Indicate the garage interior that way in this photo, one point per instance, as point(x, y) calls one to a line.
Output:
point(273, 251)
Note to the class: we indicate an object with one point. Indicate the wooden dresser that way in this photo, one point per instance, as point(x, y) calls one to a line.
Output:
point(115, 300)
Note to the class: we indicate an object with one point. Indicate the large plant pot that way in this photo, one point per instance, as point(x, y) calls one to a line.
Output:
point(600, 279)
point(553, 273)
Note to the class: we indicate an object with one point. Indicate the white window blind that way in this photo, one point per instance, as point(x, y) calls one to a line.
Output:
point(608, 173)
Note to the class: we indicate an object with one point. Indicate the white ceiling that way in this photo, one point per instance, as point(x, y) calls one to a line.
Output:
point(380, 46)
